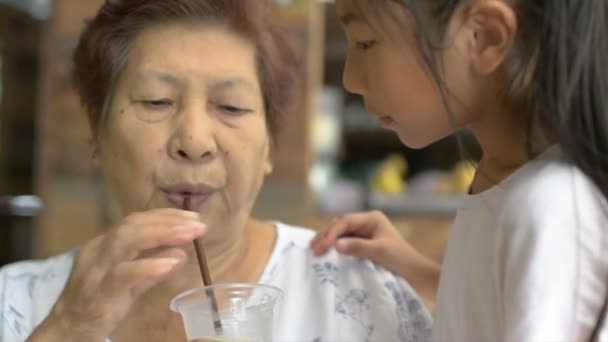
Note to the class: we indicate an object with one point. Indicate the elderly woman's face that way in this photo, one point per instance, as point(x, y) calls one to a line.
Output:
point(187, 119)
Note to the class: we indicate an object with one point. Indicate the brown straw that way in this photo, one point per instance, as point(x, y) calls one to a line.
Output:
point(205, 275)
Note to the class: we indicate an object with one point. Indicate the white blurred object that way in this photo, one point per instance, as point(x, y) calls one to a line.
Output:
point(327, 132)
point(39, 9)
point(343, 196)
point(427, 183)
point(24, 205)
point(328, 123)
point(320, 177)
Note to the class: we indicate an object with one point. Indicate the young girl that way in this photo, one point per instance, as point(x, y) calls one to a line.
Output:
point(527, 259)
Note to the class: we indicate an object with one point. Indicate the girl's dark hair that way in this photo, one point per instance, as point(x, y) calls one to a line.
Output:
point(557, 70)
point(557, 74)
point(104, 47)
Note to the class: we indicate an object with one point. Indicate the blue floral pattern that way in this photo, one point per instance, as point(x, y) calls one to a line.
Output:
point(355, 306)
point(16, 320)
point(19, 285)
point(327, 272)
point(345, 299)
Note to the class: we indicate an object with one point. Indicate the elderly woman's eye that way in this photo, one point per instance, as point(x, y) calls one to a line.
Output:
point(233, 109)
point(157, 104)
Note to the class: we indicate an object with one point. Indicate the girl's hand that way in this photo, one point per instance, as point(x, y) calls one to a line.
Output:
point(371, 235)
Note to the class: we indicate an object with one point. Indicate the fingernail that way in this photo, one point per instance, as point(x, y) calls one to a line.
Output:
point(169, 261)
point(199, 224)
point(192, 214)
point(201, 228)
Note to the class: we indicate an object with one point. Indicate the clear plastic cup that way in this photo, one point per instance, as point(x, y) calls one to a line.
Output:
point(246, 312)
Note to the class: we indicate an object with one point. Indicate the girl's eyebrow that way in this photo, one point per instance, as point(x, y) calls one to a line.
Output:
point(350, 17)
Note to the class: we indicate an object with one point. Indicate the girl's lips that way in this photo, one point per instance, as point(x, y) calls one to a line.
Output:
point(386, 121)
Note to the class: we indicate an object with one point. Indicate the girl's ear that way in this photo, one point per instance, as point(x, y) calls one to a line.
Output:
point(491, 29)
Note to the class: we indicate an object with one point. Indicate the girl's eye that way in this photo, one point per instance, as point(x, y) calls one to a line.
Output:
point(366, 45)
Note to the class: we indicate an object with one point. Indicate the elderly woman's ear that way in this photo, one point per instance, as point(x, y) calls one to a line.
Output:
point(95, 155)
point(268, 167)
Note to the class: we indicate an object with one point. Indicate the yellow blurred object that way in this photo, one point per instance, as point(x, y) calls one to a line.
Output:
point(388, 178)
point(462, 176)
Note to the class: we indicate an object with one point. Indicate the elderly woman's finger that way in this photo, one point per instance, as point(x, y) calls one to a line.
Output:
point(162, 214)
point(134, 277)
point(127, 242)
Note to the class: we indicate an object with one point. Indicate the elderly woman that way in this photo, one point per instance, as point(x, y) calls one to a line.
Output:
point(184, 97)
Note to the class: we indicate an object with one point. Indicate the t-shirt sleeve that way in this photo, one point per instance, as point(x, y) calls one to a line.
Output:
point(552, 280)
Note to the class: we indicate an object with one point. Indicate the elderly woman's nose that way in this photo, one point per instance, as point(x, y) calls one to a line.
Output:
point(194, 140)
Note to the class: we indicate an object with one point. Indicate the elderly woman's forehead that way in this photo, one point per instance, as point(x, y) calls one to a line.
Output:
point(186, 34)
point(189, 51)
point(221, 81)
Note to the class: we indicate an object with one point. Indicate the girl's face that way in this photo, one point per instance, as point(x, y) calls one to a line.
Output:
point(386, 67)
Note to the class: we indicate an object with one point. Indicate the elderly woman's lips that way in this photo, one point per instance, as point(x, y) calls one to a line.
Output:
point(198, 194)
point(196, 200)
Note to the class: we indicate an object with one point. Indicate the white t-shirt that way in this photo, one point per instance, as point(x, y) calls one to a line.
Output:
point(527, 260)
point(332, 298)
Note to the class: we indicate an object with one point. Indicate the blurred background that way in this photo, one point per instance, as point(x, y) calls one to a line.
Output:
point(332, 157)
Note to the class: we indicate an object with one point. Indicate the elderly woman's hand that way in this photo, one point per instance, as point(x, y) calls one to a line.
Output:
point(111, 271)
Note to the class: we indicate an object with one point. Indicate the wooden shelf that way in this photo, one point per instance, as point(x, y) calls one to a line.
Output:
point(415, 205)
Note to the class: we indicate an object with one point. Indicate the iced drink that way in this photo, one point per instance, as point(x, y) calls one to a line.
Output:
point(245, 312)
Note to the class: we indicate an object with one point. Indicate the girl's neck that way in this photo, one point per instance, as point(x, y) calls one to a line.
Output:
point(505, 139)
